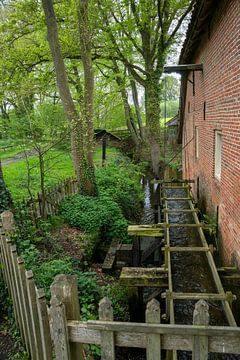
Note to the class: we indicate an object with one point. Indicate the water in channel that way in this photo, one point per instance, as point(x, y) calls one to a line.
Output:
point(190, 270)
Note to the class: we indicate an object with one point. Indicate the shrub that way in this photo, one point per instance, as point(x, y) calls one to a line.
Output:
point(95, 214)
point(121, 182)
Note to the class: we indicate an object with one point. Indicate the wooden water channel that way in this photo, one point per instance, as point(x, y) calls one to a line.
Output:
point(161, 278)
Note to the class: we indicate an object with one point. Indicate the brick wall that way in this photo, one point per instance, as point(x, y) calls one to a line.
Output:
point(219, 87)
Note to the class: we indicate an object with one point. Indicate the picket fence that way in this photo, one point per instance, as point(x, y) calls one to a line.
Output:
point(53, 196)
point(55, 332)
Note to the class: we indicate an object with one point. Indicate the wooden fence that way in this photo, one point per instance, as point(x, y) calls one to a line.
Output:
point(53, 196)
point(29, 303)
point(58, 325)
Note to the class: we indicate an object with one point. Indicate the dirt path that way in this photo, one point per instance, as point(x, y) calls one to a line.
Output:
point(19, 157)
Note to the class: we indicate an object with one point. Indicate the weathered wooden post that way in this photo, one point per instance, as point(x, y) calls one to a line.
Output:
point(31, 291)
point(107, 337)
point(104, 148)
point(44, 324)
point(29, 324)
point(64, 289)
point(153, 316)
point(18, 295)
point(200, 317)
point(7, 221)
point(59, 328)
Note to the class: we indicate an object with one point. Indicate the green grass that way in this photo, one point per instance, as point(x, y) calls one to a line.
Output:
point(58, 167)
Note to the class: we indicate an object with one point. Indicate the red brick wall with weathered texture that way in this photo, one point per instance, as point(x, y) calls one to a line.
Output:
point(219, 87)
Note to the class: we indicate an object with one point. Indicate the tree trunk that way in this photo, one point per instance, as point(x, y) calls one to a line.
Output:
point(5, 197)
point(152, 105)
point(76, 125)
point(137, 108)
point(127, 108)
point(86, 46)
point(42, 182)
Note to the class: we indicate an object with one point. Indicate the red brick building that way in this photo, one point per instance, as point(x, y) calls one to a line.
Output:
point(210, 116)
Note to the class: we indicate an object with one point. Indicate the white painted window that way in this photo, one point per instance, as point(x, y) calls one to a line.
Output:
point(218, 153)
point(196, 143)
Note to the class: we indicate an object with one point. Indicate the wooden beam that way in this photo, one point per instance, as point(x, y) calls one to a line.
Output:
point(173, 181)
point(199, 296)
point(186, 249)
point(135, 276)
point(176, 198)
point(111, 255)
point(180, 211)
point(182, 67)
point(146, 230)
point(174, 337)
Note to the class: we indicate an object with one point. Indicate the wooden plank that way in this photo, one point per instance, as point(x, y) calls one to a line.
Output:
point(186, 249)
point(135, 276)
point(44, 324)
point(107, 337)
point(146, 230)
point(174, 337)
point(23, 283)
point(182, 67)
point(110, 258)
point(172, 211)
point(198, 296)
point(200, 317)
point(173, 181)
point(176, 198)
point(153, 316)
point(59, 329)
point(31, 291)
point(215, 274)
point(65, 289)
point(22, 323)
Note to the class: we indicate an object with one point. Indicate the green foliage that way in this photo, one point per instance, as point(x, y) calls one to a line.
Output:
point(172, 107)
point(89, 294)
point(118, 295)
point(95, 214)
point(211, 221)
point(121, 182)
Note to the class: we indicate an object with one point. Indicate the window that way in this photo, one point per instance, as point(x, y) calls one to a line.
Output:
point(196, 143)
point(218, 154)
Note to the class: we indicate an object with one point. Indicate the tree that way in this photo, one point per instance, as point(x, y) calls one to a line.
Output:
point(82, 163)
point(139, 34)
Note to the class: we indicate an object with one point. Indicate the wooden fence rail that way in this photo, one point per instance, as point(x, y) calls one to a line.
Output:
point(36, 206)
point(199, 338)
point(41, 327)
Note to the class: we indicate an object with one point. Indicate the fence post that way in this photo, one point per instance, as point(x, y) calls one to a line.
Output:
point(153, 316)
point(59, 328)
point(23, 282)
point(200, 317)
point(64, 288)
point(18, 297)
point(44, 324)
point(107, 337)
point(7, 221)
point(31, 290)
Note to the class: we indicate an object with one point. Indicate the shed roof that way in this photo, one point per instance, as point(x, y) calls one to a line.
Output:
point(174, 121)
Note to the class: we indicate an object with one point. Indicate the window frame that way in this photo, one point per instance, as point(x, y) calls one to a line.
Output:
point(196, 142)
point(218, 154)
